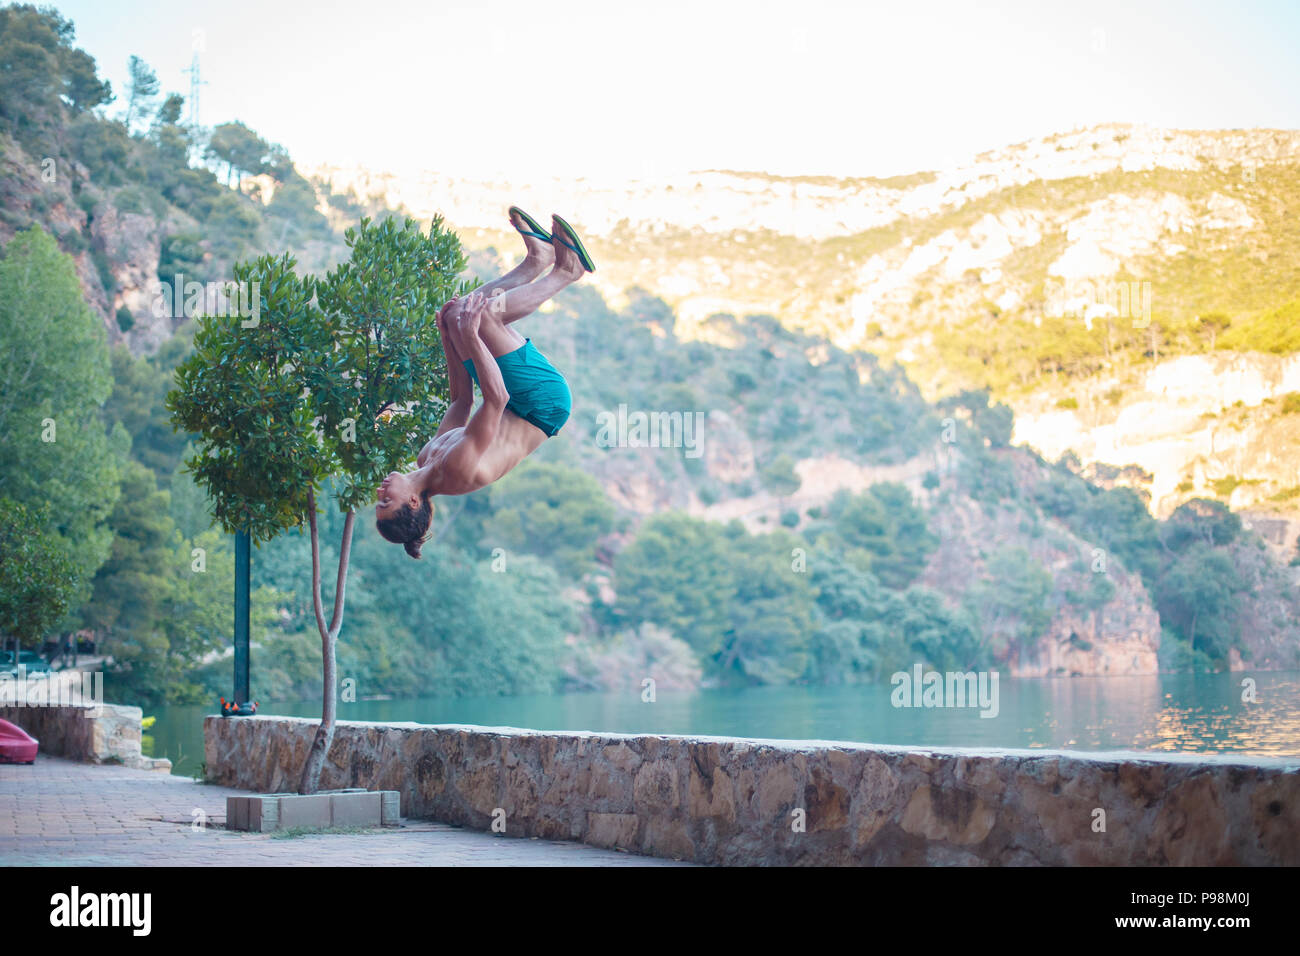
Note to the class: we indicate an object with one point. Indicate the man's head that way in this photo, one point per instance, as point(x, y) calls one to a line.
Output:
point(403, 512)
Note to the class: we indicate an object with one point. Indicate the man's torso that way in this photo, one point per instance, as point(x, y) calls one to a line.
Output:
point(516, 439)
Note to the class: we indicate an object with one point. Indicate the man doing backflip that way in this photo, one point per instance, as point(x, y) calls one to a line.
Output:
point(525, 399)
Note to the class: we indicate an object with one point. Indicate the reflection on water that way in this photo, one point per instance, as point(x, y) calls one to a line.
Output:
point(1172, 712)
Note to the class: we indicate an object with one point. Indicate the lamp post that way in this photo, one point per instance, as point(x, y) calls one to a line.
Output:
point(241, 706)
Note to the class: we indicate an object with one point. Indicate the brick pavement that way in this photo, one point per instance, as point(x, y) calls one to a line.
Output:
point(62, 813)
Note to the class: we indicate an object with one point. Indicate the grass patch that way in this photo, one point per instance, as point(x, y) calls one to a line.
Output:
point(294, 832)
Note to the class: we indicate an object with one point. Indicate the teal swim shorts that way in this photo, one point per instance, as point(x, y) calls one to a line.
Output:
point(538, 392)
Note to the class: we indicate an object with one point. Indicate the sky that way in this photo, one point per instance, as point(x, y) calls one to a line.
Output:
point(609, 89)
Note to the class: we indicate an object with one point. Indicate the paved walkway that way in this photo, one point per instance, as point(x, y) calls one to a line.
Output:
point(61, 813)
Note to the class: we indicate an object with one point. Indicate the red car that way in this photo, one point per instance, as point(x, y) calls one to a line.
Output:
point(16, 745)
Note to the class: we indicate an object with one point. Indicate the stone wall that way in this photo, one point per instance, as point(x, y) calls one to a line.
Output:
point(733, 801)
point(108, 733)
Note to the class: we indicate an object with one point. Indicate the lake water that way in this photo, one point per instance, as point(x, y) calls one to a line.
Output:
point(1184, 713)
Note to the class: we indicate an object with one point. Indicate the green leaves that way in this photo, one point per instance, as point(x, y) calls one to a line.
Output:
point(37, 578)
point(382, 304)
point(240, 391)
point(55, 373)
point(289, 397)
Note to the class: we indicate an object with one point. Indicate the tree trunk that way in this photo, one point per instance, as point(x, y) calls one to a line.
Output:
point(329, 633)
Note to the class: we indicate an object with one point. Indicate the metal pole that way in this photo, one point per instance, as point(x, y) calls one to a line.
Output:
point(242, 555)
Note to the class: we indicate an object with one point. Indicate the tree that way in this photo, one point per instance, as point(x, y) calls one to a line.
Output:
point(281, 405)
point(1118, 519)
point(771, 616)
point(54, 378)
point(129, 588)
point(36, 576)
point(994, 422)
point(42, 71)
point(1203, 521)
point(1198, 597)
point(779, 476)
point(242, 150)
point(924, 627)
point(882, 530)
point(550, 510)
point(731, 596)
point(677, 573)
point(1214, 324)
point(1013, 601)
point(846, 642)
point(158, 606)
point(292, 210)
point(142, 88)
point(51, 344)
point(169, 114)
point(278, 165)
point(137, 401)
point(483, 632)
point(82, 87)
point(172, 141)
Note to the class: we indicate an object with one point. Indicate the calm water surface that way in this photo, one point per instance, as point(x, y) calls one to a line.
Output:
point(1175, 712)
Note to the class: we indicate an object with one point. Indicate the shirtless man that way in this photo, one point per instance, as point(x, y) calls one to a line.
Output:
point(525, 399)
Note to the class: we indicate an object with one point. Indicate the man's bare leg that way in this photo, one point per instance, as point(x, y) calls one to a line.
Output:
point(513, 304)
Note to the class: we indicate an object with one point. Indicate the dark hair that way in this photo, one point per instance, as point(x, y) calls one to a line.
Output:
point(409, 526)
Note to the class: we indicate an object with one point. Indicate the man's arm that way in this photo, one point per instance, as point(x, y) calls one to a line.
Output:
point(486, 422)
point(458, 380)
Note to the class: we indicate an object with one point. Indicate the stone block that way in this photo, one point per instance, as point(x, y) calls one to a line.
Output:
point(390, 808)
point(312, 810)
point(355, 809)
point(264, 812)
point(237, 813)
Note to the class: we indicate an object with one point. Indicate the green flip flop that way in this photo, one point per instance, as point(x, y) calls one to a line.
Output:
point(576, 245)
point(534, 230)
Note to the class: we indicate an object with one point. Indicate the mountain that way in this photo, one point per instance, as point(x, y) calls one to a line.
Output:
point(1133, 293)
point(800, 449)
point(992, 415)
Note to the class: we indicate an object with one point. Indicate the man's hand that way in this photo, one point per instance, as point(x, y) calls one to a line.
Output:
point(471, 314)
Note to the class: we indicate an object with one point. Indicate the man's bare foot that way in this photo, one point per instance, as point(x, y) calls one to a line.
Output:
point(538, 251)
point(567, 262)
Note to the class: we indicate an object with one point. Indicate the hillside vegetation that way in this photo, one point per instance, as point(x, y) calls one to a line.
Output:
point(831, 518)
point(1064, 274)
point(137, 195)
